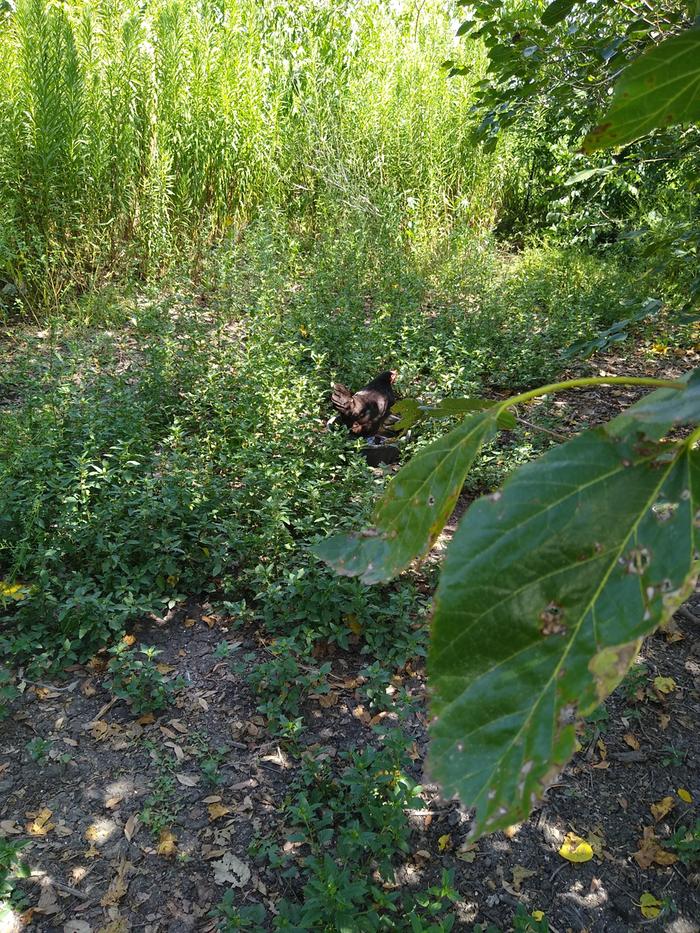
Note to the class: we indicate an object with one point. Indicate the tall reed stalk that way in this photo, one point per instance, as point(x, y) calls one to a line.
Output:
point(133, 132)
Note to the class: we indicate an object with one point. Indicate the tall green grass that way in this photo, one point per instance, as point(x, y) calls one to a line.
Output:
point(131, 133)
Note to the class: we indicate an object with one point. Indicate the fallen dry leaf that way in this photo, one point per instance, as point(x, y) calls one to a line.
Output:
point(649, 906)
point(664, 685)
point(217, 810)
point(467, 852)
point(187, 780)
point(41, 824)
point(231, 870)
point(596, 840)
point(47, 900)
point(167, 844)
point(662, 808)
point(576, 849)
point(118, 886)
point(651, 851)
point(445, 842)
point(131, 826)
point(326, 700)
point(520, 874)
point(120, 925)
point(632, 741)
point(685, 795)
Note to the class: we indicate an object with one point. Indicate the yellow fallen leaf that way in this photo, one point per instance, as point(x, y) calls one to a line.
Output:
point(632, 741)
point(164, 668)
point(575, 849)
point(129, 640)
point(41, 824)
point(445, 842)
point(662, 808)
point(685, 795)
point(167, 844)
point(537, 915)
point(217, 810)
point(664, 684)
point(664, 721)
point(603, 749)
point(649, 906)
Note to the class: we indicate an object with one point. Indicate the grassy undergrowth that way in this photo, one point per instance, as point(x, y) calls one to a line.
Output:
point(183, 449)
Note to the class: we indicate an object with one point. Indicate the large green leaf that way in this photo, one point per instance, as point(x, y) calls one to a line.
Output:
point(657, 413)
point(415, 508)
point(557, 11)
point(660, 88)
point(546, 590)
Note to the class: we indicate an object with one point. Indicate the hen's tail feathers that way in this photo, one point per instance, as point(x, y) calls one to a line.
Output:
point(342, 399)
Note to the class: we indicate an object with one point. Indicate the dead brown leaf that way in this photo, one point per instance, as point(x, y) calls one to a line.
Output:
point(167, 844)
point(118, 886)
point(41, 824)
point(217, 810)
point(662, 808)
point(131, 826)
point(651, 851)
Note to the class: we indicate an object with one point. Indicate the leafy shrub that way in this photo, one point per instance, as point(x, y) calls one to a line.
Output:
point(140, 682)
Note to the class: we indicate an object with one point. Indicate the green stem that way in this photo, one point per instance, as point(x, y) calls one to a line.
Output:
point(590, 381)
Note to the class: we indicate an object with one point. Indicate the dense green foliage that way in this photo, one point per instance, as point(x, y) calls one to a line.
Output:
point(129, 131)
point(146, 464)
point(335, 208)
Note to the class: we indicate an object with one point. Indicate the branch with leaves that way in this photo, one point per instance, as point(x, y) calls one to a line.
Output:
point(550, 584)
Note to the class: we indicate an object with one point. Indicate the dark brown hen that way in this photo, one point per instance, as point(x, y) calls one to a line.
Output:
point(364, 412)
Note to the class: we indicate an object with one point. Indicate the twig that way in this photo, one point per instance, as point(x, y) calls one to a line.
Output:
point(42, 878)
point(538, 427)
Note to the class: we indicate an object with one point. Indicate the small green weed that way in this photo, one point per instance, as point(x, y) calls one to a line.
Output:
point(282, 684)
point(38, 748)
point(634, 682)
point(8, 692)
point(686, 842)
point(11, 867)
point(160, 808)
point(140, 682)
point(230, 917)
point(672, 757)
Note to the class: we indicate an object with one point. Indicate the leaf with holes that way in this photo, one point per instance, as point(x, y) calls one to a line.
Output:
point(547, 589)
point(416, 506)
point(659, 89)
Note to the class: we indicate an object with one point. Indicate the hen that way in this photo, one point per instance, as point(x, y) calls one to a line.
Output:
point(364, 412)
